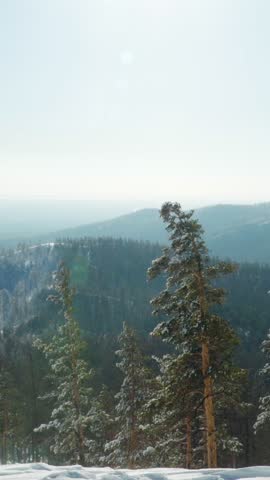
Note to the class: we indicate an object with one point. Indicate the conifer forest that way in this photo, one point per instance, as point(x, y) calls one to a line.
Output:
point(128, 354)
point(134, 240)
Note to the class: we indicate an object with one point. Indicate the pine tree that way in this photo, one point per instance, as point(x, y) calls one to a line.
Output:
point(71, 394)
point(101, 429)
point(229, 405)
point(173, 405)
point(263, 417)
point(189, 299)
point(127, 447)
point(230, 446)
point(10, 417)
point(12, 404)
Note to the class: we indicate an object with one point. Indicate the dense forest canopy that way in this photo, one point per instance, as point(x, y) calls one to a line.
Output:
point(239, 232)
point(111, 287)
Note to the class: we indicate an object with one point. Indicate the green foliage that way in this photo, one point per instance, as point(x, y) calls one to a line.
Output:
point(110, 281)
point(70, 393)
point(128, 445)
point(192, 326)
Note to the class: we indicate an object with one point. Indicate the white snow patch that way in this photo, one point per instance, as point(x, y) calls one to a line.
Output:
point(50, 244)
point(42, 471)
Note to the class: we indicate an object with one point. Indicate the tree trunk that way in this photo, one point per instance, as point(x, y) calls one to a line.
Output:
point(132, 448)
point(77, 397)
point(34, 409)
point(188, 443)
point(207, 379)
point(209, 409)
point(205, 459)
point(81, 447)
point(80, 431)
point(4, 436)
point(133, 430)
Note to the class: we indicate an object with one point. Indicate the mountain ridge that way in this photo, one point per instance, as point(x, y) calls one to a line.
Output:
point(239, 232)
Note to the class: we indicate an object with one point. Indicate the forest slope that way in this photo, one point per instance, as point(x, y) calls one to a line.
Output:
point(112, 287)
point(239, 232)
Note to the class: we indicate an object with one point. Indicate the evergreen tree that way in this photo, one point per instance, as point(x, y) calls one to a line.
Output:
point(229, 406)
point(188, 300)
point(12, 405)
point(101, 429)
point(107, 292)
point(71, 394)
point(263, 418)
point(230, 447)
point(10, 418)
point(127, 447)
point(173, 405)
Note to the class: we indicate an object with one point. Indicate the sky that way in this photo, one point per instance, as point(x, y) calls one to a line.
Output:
point(136, 101)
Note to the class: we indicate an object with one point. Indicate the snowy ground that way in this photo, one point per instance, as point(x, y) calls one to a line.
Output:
point(41, 471)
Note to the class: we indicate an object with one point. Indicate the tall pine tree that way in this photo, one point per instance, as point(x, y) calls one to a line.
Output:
point(71, 394)
point(173, 405)
point(263, 417)
point(189, 299)
point(128, 446)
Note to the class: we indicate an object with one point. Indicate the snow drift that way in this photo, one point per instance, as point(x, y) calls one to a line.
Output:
point(41, 471)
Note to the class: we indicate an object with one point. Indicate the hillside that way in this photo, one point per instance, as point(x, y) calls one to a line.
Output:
point(23, 219)
point(142, 225)
point(241, 232)
point(112, 287)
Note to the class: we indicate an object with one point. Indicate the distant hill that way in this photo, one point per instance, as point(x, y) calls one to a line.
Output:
point(24, 219)
point(142, 225)
point(241, 232)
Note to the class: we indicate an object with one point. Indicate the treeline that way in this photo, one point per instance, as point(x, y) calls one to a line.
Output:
point(188, 395)
point(111, 286)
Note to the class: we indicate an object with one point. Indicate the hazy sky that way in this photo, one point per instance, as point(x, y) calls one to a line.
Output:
point(135, 100)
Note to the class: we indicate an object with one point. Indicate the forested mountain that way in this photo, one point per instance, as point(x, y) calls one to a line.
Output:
point(23, 219)
point(109, 276)
point(111, 288)
point(240, 232)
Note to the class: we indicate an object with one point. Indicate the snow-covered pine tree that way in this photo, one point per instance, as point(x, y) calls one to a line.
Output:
point(230, 446)
point(10, 417)
point(263, 417)
point(129, 444)
point(229, 405)
point(174, 430)
point(188, 300)
point(177, 431)
point(71, 394)
point(12, 422)
point(101, 429)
